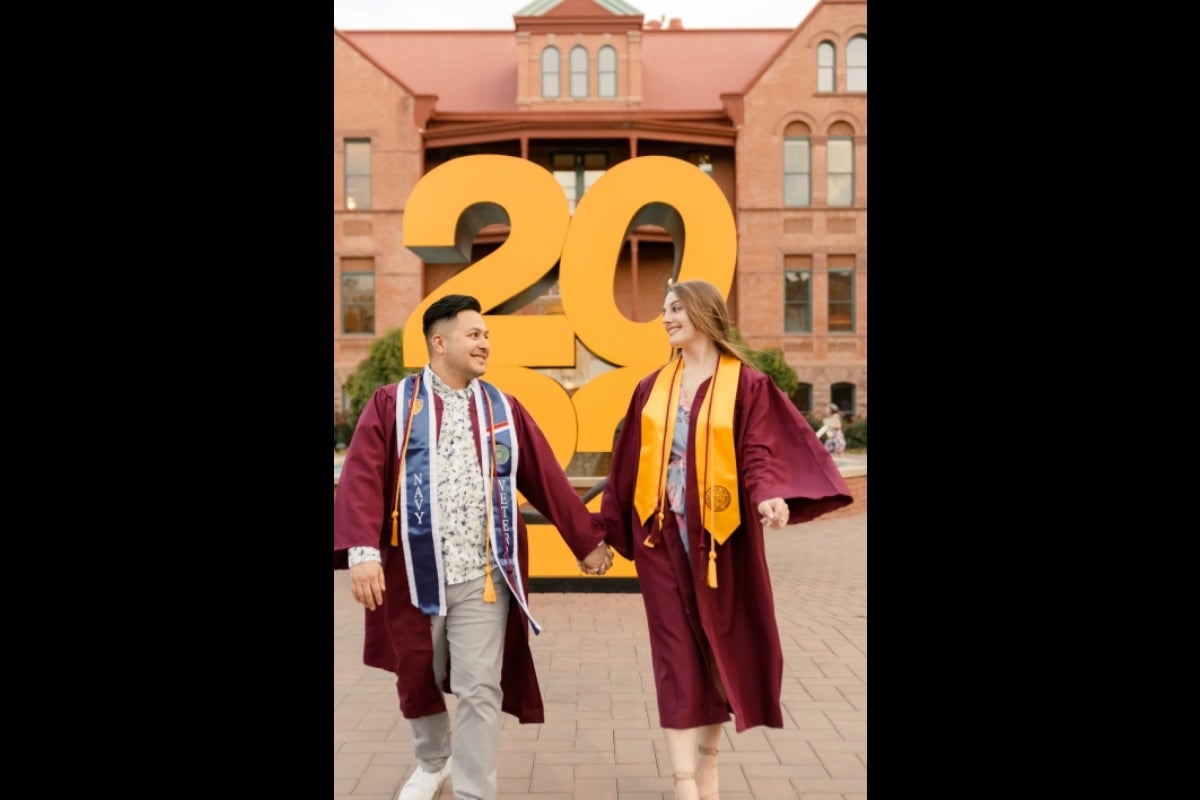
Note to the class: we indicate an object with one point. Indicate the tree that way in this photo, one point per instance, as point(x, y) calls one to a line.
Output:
point(384, 364)
point(771, 362)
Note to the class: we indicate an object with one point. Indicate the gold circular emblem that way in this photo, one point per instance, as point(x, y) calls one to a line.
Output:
point(418, 404)
point(717, 498)
point(502, 454)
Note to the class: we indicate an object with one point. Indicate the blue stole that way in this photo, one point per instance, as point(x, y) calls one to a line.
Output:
point(418, 506)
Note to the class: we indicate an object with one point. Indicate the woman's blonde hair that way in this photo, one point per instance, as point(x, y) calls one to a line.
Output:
point(706, 308)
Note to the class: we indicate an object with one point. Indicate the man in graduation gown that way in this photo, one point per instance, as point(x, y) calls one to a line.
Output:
point(435, 540)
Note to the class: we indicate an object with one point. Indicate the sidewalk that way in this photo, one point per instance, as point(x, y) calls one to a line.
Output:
point(601, 739)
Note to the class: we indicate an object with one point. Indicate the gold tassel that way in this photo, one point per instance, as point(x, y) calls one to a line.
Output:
point(395, 528)
point(489, 591)
point(712, 564)
point(649, 540)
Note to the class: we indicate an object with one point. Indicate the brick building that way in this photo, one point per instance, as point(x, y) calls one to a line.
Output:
point(777, 118)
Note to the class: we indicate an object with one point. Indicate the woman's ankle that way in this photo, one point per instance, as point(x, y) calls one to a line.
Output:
point(707, 781)
point(685, 786)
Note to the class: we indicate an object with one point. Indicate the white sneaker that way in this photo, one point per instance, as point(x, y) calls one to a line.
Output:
point(423, 785)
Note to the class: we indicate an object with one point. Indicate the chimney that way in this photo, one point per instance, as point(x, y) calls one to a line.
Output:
point(676, 24)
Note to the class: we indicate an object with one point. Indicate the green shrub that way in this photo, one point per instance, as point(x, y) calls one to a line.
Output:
point(384, 364)
point(769, 361)
point(856, 434)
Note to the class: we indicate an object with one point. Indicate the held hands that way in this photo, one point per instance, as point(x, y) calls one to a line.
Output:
point(774, 512)
point(366, 583)
point(596, 562)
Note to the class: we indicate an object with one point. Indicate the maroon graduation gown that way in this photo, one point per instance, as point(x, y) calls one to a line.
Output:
point(730, 631)
point(397, 635)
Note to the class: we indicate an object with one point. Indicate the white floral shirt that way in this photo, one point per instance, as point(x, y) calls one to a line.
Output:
point(462, 504)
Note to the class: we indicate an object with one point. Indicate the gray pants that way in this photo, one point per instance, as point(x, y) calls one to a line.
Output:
point(472, 635)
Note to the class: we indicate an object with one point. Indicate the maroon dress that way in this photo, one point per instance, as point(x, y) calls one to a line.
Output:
point(397, 635)
point(717, 651)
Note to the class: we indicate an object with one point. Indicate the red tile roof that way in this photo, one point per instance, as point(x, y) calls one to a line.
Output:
point(476, 71)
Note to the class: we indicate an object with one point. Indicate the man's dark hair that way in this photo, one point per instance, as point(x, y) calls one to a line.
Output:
point(447, 307)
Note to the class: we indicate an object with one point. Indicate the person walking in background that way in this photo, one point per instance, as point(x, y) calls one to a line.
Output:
point(709, 452)
point(426, 520)
point(831, 431)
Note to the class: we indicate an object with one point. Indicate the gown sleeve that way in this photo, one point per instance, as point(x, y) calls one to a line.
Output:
point(358, 502)
point(780, 455)
point(541, 479)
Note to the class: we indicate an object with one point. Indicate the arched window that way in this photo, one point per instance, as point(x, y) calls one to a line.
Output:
point(856, 64)
point(551, 62)
point(826, 67)
point(842, 396)
point(802, 398)
point(797, 165)
point(606, 71)
point(579, 71)
point(839, 165)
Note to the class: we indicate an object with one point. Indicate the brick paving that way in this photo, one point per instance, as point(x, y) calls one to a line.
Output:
point(601, 739)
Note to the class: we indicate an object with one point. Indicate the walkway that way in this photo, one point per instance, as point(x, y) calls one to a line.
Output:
point(601, 739)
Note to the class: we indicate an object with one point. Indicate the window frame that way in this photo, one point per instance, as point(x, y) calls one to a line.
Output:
point(580, 171)
point(606, 74)
point(791, 175)
point(832, 175)
point(803, 306)
point(551, 71)
point(844, 395)
point(354, 176)
point(848, 303)
point(855, 70)
point(827, 73)
point(576, 73)
point(367, 306)
point(802, 398)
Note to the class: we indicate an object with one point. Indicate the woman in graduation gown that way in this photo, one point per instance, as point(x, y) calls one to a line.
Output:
point(708, 424)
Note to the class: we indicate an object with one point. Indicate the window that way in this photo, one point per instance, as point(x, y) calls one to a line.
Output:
point(826, 67)
point(606, 71)
point(358, 295)
point(797, 166)
point(802, 398)
point(551, 63)
point(358, 173)
point(797, 301)
point(579, 71)
point(839, 165)
point(841, 301)
point(842, 396)
point(856, 64)
point(702, 159)
point(576, 172)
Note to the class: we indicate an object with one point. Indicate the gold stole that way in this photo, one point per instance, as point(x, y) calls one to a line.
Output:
point(716, 459)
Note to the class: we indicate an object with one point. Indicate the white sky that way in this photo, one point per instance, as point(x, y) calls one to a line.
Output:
point(498, 14)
